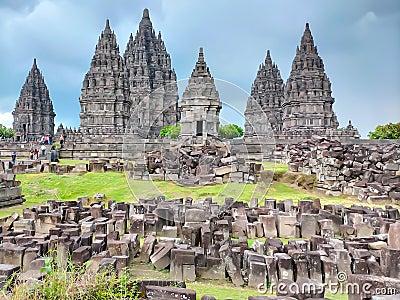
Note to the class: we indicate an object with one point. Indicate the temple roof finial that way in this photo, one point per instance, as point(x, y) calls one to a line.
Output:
point(201, 55)
point(34, 63)
point(146, 13)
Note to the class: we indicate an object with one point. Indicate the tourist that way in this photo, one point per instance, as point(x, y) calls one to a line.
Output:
point(35, 154)
point(43, 148)
point(31, 154)
point(62, 140)
point(14, 158)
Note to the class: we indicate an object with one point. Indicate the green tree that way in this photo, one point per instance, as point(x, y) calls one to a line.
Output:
point(6, 132)
point(230, 131)
point(170, 131)
point(388, 131)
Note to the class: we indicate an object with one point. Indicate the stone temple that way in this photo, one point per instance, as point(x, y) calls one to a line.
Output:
point(200, 105)
point(141, 83)
point(303, 106)
point(153, 90)
point(33, 113)
point(266, 98)
point(105, 105)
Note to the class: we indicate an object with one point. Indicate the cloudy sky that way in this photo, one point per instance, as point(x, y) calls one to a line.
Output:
point(358, 40)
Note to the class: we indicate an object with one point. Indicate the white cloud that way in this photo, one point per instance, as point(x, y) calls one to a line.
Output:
point(368, 19)
point(6, 119)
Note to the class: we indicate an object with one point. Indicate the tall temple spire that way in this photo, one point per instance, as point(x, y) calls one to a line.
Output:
point(148, 67)
point(33, 113)
point(267, 93)
point(104, 103)
point(200, 103)
point(307, 104)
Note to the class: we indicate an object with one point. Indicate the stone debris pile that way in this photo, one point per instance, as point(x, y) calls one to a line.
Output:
point(46, 166)
point(372, 172)
point(203, 239)
point(210, 162)
point(10, 189)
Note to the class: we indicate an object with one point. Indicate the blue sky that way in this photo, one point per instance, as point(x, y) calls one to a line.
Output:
point(358, 40)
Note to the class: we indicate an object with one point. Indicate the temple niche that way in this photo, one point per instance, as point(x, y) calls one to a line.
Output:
point(33, 114)
point(200, 105)
point(153, 90)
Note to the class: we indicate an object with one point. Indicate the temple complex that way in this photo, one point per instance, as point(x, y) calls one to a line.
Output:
point(303, 106)
point(105, 105)
point(33, 113)
point(200, 105)
point(152, 81)
point(127, 99)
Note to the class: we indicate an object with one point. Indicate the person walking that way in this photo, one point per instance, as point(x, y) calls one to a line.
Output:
point(43, 148)
point(14, 158)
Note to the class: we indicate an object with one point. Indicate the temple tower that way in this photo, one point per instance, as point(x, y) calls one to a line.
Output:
point(33, 113)
point(267, 94)
point(105, 106)
point(152, 81)
point(307, 105)
point(200, 105)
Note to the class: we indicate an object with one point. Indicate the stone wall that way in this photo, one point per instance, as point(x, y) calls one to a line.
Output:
point(370, 171)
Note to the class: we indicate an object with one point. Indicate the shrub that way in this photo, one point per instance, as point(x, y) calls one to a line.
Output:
point(388, 131)
point(170, 131)
point(230, 131)
point(73, 282)
point(6, 132)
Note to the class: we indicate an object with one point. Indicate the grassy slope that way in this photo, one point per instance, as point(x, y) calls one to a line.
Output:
point(38, 188)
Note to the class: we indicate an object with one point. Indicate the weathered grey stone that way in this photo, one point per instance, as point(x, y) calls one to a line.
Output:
point(269, 226)
point(161, 257)
point(394, 236)
point(287, 226)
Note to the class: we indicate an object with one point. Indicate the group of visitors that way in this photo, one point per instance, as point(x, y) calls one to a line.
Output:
point(46, 140)
point(34, 154)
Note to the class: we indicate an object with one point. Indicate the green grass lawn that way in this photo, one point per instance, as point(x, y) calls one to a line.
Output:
point(39, 188)
point(72, 162)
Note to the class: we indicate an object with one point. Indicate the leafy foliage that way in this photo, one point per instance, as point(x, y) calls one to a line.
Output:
point(230, 131)
point(388, 131)
point(170, 131)
point(6, 132)
point(64, 280)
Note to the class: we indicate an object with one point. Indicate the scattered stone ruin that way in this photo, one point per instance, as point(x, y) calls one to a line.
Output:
point(10, 189)
point(372, 172)
point(211, 162)
point(203, 239)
